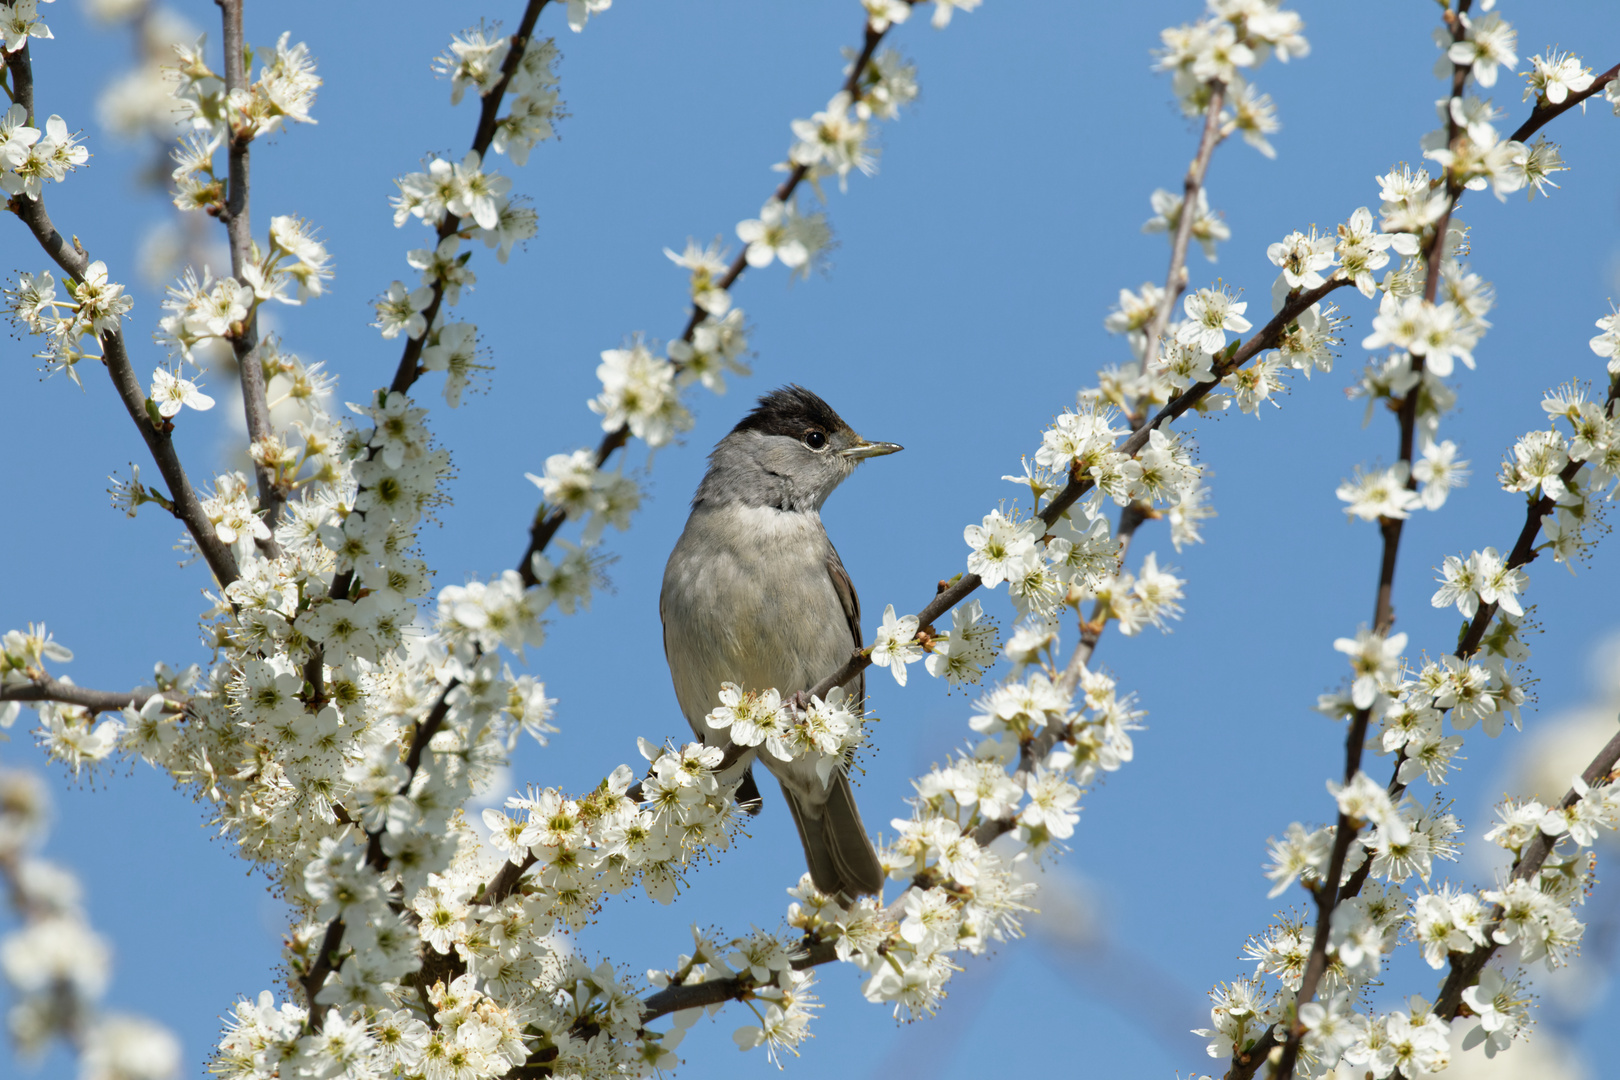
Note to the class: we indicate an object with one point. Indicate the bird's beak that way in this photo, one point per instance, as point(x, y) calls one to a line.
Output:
point(863, 449)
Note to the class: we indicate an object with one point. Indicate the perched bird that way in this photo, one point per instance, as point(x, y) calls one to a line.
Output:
point(754, 594)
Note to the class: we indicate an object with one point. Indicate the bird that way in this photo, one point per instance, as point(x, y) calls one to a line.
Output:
point(755, 594)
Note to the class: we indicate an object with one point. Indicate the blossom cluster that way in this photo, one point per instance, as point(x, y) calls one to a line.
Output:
point(1077, 558)
point(96, 306)
point(29, 158)
point(1235, 36)
point(478, 58)
point(827, 732)
point(473, 197)
point(284, 91)
point(1038, 749)
point(1397, 840)
point(291, 269)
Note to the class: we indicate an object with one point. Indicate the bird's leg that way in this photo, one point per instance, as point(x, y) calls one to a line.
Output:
point(734, 753)
point(800, 702)
point(747, 794)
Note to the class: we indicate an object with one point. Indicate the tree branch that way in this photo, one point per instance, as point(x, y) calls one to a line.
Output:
point(1077, 486)
point(407, 372)
point(546, 523)
point(1466, 967)
point(239, 229)
point(1175, 281)
point(74, 261)
point(1544, 113)
point(97, 701)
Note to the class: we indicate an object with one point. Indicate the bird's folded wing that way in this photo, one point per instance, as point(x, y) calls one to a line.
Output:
point(852, 608)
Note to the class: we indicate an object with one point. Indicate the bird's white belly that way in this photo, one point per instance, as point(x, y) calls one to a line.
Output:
point(748, 599)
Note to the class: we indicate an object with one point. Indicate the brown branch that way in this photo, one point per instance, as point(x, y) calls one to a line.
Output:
point(483, 135)
point(1328, 893)
point(714, 991)
point(49, 689)
point(1175, 280)
point(74, 261)
point(315, 978)
point(1077, 486)
point(1543, 112)
point(547, 522)
point(239, 229)
point(1465, 967)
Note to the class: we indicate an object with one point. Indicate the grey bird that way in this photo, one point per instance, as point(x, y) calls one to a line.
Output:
point(755, 594)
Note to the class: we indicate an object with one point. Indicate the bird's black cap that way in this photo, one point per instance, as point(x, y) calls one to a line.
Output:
point(791, 410)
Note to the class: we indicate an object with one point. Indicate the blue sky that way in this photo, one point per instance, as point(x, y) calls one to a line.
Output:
point(963, 308)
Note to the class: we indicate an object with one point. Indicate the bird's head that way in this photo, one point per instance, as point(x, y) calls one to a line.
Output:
point(789, 452)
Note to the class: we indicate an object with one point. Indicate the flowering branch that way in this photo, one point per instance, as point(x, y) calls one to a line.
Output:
point(1466, 967)
point(951, 595)
point(1390, 528)
point(239, 229)
point(1524, 549)
point(1175, 280)
point(547, 522)
point(405, 375)
point(1544, 110)
point(483, 135)
point(49, 689)
point(1330, 893)
point(75, 261)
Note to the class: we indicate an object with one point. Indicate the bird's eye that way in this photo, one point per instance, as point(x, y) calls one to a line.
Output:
point(815, 440)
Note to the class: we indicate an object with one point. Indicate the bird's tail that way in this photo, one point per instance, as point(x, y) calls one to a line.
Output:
point(836, 847)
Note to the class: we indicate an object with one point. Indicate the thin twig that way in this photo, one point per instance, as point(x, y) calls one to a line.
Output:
point(1524, 548)
point(1077, 486)
point(74, 261)
point(1465, 967)
point(407, 372)
point(49, 689)
point(239, 229)
point(1091, 631)
point(1176, 280)
point(548, 521)
point(1543, 112)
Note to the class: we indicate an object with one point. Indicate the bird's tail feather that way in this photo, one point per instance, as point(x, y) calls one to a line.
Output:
point(836, 848)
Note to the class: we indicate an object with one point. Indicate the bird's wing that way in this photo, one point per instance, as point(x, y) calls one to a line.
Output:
point(852, 608)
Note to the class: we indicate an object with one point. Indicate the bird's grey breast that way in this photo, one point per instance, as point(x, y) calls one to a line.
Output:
point(748, 598)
